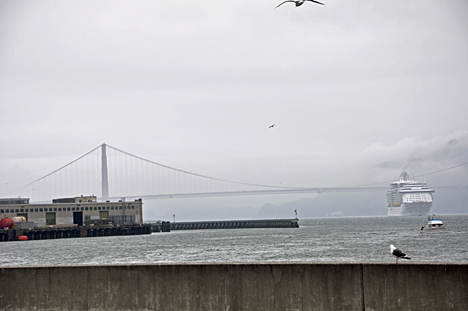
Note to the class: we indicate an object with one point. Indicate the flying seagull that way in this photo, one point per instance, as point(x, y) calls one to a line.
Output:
point(397, 253)
point(273, 125)
point(299, 2)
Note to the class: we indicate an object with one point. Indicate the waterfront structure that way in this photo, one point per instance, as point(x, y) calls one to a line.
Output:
point(232, 224)
point(76, 210)
point(342, 286)
point(408, 197)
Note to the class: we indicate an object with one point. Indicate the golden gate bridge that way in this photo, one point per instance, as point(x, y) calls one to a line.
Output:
point(111, 173)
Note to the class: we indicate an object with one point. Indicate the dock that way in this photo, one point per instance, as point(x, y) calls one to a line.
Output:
point(73, 231)
point(167, 226)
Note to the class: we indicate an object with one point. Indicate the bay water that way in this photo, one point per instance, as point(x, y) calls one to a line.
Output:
point(341, 239)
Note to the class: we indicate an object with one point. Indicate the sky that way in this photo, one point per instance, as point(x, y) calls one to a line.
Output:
point(358, 89)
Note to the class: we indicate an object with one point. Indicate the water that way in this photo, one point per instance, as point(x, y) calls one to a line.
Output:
point(351, 239)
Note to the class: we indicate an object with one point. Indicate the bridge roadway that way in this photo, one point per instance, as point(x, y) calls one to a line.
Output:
point(252, 192)
point(271, 191)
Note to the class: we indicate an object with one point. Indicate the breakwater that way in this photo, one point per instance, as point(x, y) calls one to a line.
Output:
point(167, 226)
point(237, 286)
point(72, 231)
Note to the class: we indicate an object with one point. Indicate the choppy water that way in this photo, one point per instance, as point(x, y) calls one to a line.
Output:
point(355, 239)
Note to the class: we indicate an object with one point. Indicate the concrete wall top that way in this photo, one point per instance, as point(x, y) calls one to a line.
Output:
point(243, 263)
point(237, 286)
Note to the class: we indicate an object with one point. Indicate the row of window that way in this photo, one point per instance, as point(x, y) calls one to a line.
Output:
point(65, 209)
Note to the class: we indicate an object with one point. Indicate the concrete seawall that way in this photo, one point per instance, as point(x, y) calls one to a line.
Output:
point(236, 224)
point(167, 226)
point(237, 286)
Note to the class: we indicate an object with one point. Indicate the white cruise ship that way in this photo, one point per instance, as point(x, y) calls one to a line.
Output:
point(408, 197)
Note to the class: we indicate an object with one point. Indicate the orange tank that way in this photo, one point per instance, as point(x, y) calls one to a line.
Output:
point(7, 223)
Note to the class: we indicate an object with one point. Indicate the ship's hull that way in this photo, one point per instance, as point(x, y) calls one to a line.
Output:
point(410, 209)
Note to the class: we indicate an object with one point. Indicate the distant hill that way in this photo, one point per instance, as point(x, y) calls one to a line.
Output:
point(358, 204)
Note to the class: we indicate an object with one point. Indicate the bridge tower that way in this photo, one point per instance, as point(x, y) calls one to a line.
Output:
point(104, 177)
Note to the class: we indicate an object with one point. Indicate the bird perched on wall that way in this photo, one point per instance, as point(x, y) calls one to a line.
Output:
point(299, 2)
point(397, 253)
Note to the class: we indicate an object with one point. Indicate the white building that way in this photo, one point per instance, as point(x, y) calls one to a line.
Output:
point(77, 210)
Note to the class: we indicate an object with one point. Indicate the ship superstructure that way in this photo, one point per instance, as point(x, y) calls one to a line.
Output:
point(408, 197)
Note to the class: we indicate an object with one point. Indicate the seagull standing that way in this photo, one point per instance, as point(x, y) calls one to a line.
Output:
point(299, 2)
point(397, 253)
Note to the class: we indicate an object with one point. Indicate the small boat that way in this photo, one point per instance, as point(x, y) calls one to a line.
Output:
point(433, 223)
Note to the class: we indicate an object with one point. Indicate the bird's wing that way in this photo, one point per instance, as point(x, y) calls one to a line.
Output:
point(284, 2)
point(398, 253)
point(315, 2)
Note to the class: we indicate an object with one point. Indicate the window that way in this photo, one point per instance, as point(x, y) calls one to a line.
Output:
point(55, 209)
point(40, 210)
point(17, 210)
point(82, 208)
point(133, 207)
point(26, 210)
point(60, 209)
point(99, 208)
point(36, 210)
point(86, 208)
point(95, 208)
point(73, 208)
point(21, 210)
point(120, 207)
point(2, 211)
point(108, 207)
point(112, 207)
point(68, 209)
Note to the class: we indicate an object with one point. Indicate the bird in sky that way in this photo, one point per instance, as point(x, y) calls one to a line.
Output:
point(273, 125)
point(397, 253)
point(299, 2)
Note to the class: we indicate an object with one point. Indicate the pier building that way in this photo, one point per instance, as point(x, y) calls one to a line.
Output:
point(77, 210)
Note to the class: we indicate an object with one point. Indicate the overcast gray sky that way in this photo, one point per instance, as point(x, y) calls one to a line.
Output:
point(358, 89)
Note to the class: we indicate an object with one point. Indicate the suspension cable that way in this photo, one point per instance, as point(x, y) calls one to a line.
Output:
point(55, 170)
point(199, 175)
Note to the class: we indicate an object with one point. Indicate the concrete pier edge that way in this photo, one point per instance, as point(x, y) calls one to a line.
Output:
point(237, 286)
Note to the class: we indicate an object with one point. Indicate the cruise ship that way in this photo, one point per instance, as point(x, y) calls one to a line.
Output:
point(408, 197)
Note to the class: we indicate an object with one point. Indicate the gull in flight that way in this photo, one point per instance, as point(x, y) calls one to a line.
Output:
point(273, 125)
point(299, 2)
